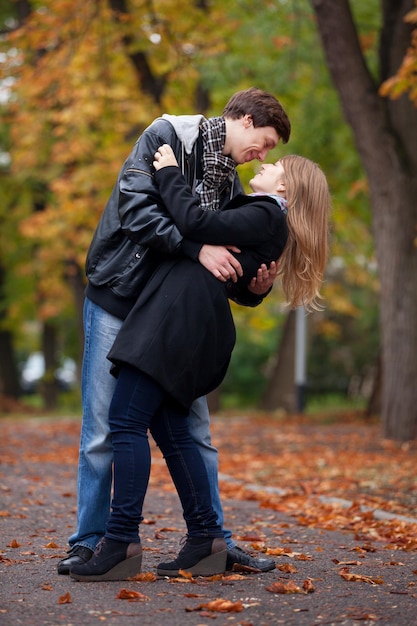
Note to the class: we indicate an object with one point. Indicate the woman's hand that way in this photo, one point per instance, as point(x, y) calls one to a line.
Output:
point(264, 279)
point(164, 157)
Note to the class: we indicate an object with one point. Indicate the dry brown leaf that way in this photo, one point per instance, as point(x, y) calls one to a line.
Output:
point(131, 596)
point(290, 587)
point(252, 537)
point(308, 586)
point(65, 599)
point(346, 575)
point(214, 577)
point(279, 552)
point(220, 606)
point(239, 567)
point(144, 577)
point(287, 568)
point(14, 544)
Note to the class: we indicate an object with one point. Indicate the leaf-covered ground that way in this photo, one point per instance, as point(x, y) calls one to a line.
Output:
point(335, 475)
point(331, 502)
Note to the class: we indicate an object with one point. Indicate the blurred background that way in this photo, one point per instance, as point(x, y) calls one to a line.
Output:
point(79, 81)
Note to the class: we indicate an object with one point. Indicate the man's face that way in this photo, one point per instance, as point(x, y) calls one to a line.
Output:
point(246, 143)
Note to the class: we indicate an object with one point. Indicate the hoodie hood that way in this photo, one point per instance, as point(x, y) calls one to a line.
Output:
point(186, 128)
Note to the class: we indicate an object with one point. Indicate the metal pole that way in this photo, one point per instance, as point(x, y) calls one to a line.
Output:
point(300, 357)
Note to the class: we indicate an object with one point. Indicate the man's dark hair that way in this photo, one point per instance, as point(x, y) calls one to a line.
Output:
point(264, 109)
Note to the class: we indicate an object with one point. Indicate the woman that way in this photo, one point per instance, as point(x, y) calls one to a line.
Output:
point(176, 344)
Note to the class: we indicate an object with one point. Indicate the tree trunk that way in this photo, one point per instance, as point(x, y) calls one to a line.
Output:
point(280, 392)
point(9, 375)
point(385, 134)
point(49, 387)
point(75, 278)
point(374, 403)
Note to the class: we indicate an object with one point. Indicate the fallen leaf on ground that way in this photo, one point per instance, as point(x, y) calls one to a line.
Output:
point(291, 587)
point(346, 575)
point(131, 596)
point(219, 606)
point(144, 577)
point(65, 599)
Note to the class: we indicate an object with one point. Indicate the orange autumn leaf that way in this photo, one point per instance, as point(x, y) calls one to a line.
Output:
point(214, 577)
point(278, 552)
point(308, 586)
point(51, 544)
point(250, 537)
point(14, 544)
point(287, 568)
point(65, 599)
point(144, 577)
point(239, 567)
point(220, 606)
point(131, 596)
point(346, 575)
point(290, 587)
point(233, 577)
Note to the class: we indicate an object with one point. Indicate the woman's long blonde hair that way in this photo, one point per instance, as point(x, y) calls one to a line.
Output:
point(303, 262)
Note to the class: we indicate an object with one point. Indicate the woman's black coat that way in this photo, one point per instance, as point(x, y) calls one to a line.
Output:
point(181, 330)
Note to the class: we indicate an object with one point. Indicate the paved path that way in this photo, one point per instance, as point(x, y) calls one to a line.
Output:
point(37, 513)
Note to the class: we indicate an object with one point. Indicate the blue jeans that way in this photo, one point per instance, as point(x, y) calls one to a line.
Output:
point(96, 452)
point(140, 404)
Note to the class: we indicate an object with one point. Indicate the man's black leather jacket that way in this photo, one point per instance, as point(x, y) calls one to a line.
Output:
point(135, 231)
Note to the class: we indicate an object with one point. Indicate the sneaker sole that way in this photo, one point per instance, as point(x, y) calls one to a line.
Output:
point(210, 565)
point(122, 571)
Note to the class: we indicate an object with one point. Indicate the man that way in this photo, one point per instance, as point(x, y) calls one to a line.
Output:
point(133, 234)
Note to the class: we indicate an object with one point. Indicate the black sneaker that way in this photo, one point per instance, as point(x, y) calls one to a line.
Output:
point(78, 555)
point(237, 556)
point(112, 560)
point(199, 556)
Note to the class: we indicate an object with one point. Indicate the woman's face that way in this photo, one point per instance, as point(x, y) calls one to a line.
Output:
point(270, 179)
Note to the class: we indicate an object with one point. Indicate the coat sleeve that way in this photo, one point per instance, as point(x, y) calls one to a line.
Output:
point(142, 213)
point(251, 225)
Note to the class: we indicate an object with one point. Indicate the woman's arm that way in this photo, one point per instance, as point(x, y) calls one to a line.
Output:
point(252, 224)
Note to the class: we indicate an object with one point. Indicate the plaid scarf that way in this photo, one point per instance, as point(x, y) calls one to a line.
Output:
point(217, 167)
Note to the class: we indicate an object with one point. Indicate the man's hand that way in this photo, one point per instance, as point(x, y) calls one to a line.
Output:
point(220, 262)
point(264, 279)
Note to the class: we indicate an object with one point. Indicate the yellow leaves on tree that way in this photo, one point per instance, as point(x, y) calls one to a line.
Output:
point(405, 80)
point(78, 99)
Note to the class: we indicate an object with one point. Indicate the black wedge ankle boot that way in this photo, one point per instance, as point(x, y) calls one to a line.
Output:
point(112, 560)
point(199, 556)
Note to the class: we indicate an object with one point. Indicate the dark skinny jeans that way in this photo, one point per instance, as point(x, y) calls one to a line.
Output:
point(140, 404)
